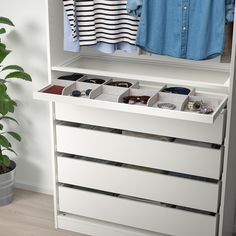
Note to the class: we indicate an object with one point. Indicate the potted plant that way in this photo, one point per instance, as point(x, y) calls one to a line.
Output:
point(7, 107)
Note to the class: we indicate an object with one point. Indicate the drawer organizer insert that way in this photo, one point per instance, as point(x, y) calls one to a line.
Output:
point(138, 98)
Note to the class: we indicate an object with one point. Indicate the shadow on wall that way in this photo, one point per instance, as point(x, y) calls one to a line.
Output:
point(27, 40)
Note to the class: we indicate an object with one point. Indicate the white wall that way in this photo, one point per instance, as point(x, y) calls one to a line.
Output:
point(28, 42)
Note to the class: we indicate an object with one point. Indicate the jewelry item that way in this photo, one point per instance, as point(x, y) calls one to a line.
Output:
point(206, 110)
point(94, 81)
point(194, 106)
point(135, 99)
point(168, 106)
point(120, 84)
point(77, 93)
point(199, 106)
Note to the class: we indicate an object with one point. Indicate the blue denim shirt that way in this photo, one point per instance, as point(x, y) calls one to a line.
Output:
point(192, 29)
point(134, 7)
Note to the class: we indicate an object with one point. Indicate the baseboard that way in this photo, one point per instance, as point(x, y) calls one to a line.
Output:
point(39, 189)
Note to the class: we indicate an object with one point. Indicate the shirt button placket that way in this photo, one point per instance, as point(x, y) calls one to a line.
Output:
point(185, 25)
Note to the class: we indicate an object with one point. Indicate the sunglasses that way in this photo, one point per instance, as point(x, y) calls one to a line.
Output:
point(177, 90)
point(77, 93)
point(135, 99)
point(95, 81)
point(120, 84)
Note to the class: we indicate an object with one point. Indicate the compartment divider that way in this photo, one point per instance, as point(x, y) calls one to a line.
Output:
point(109, 93)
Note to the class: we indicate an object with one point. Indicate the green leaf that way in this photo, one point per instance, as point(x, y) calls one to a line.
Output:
point(19, 75)
point(6, 104)
point(3, 88)
point(6, 21)
point(5, 108)
point(3, 53)
point(11, 107)
point(15, 135)
point(13, 67)
point(6, 161)
point(4, 142)
point(2, 46)
point(1, 127)
point(9, 118)
point(2, 31)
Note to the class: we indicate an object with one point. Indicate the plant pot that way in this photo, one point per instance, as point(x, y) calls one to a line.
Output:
point(7, 185)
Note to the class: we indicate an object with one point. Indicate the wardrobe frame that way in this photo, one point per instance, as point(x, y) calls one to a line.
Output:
point(59, 64)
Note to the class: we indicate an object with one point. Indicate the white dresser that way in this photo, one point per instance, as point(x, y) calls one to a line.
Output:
point(130, 170)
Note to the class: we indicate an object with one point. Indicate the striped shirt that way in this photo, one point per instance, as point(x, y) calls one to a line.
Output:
point(95, 21)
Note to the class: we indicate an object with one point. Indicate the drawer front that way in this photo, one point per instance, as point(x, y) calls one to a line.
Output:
point(213, 133)
point(136, 214)
point(142, 184)
point(88, 226)
point(188, 159)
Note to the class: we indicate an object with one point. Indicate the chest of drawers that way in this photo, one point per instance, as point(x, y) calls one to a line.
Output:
point(125, 170)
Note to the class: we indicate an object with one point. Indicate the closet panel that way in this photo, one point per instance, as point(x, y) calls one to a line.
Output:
point(136, 214)
point(189, 159)
point(140, 183)
point(56, 53)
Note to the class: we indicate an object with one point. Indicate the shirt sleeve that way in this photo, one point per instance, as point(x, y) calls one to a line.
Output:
point(70, 44)
point(230, 4)
point(134, 7)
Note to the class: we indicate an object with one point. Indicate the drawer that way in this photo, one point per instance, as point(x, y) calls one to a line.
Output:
point(100, 98)
point(213, 133)
point(136, 214)
point(181, 158)
point(137, 183)
point(88, 226)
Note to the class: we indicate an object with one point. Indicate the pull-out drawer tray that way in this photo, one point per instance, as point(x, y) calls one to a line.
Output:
point(170, 156)
point(138, 183)
point(136, 214)
point(61, 91)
